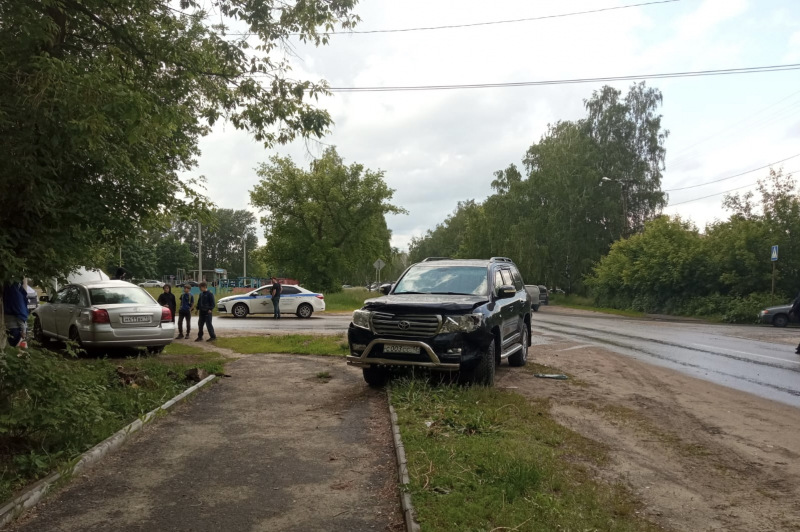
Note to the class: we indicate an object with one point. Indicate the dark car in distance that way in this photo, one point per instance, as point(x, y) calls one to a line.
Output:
point(447, 315)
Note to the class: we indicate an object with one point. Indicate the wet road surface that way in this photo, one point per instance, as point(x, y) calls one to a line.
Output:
point(723, 354)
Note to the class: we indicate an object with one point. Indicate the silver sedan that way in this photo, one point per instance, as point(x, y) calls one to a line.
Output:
point(104, 314)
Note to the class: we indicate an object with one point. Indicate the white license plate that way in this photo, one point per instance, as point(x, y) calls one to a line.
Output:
point(30, 307)
point(135, 319)
point(404, 349)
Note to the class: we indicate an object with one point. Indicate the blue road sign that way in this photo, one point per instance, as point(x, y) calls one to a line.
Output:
point(774, 253)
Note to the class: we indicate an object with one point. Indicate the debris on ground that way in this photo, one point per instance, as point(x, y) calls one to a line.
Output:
point(559, 377)
point(196, 374)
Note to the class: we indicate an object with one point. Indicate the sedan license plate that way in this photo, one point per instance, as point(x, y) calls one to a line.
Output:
point(404, 349)
point(135, 319)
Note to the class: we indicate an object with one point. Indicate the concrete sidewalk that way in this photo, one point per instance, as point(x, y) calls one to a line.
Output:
point(273, 448)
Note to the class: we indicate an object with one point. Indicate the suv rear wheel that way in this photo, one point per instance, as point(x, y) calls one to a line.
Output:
point(376, 376)
point(482, 373)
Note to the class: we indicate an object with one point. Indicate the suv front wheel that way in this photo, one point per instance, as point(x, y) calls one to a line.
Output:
point(482, 373)
point(376, 376)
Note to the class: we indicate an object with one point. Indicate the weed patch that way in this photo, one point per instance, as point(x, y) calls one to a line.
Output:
point(487, 459)
point(53, 408)
point(324, 375)
point(299, 344)
point(348, 299)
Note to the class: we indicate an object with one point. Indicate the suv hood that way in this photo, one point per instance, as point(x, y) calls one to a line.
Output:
point(425, 303)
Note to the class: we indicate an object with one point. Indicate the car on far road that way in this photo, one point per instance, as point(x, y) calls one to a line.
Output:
point(294, 300)
point(777, 316)
point(104, 314)
point(152, 284)
point(535, 292)
point(347, 286)
point(544, 295)
point(33, 299)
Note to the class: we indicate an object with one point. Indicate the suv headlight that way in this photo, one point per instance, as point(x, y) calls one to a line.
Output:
point(361, 318)
point(465, 323)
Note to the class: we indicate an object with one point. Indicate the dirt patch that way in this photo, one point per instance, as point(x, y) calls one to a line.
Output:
point(265, 450)
point(700, 456)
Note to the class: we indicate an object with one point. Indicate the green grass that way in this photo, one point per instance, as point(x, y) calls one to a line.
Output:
point(55, 407)
point(485, 459)
point(298, 344)
point(585, 303)
point(324, 375)
point(348, 299)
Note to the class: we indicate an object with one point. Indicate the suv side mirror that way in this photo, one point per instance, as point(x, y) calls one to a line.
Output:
point(44, 299)
point(385, 289)
point(506, 291)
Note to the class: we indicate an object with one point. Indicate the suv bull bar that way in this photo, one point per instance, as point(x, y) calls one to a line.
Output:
point(362, 360)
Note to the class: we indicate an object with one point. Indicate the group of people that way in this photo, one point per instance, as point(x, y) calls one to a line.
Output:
point(205, 308)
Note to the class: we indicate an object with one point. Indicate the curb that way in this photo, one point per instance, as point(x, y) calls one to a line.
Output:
point(31, 497)
point(402, 471)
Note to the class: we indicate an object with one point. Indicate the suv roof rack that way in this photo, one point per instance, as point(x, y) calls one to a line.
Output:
point(429, 259)
point(500, 259)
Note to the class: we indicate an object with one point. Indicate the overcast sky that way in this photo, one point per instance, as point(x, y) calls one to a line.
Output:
point(438, 148)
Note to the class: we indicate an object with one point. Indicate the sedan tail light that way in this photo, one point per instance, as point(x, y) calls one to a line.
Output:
point(100, 316)
point(166, 314)
point(320, 296)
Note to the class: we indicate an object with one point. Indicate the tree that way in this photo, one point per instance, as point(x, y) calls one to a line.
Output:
point(172, 255)
point(322, 223)
point(102, 104)
point(225, 235)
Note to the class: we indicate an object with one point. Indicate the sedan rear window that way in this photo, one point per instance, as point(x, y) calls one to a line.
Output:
point(120, 295)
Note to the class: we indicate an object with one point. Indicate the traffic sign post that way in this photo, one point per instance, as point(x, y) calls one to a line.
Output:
point(378, 264)
point(774, 258)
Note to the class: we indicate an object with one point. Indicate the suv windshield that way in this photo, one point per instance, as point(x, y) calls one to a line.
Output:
point(423, 279)
point(111, 296)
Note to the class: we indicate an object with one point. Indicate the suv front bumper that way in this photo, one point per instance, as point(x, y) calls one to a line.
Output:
point(444, 352)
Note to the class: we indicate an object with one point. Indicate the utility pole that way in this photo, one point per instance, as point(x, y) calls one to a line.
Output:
point(120, 255)
point(244, 244)
point(199, 252)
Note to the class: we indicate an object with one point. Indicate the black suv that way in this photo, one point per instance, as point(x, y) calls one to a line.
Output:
point(445, 315)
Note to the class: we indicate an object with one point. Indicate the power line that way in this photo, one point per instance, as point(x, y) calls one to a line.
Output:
point(720, 193)
point(491, 23)
point(727, 71)
point(731, 177)
point(723, 130)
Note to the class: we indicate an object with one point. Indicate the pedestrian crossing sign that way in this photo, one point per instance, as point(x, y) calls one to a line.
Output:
point(774, 253)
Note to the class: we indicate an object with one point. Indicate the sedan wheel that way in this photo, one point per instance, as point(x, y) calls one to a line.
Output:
point(305, 310)
point(781, 320)
point(38, 333)
point(239, 310)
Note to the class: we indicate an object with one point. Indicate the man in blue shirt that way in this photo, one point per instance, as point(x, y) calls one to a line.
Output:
point(15, 308)
point(205, 308)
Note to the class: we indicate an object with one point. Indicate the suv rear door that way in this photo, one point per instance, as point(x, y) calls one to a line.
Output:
point(508, 308)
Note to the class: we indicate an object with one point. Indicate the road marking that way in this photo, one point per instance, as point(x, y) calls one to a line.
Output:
point(746, 353)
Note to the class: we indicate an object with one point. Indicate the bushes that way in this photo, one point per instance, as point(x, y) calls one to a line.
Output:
point(52, 409)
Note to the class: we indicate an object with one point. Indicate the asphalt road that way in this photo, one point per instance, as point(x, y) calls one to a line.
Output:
point(758, 360)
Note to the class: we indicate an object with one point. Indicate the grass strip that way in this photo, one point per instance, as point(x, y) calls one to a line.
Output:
point(348, 299)
point(584, 303)
point(487, 459)
point(298, 344)
point(53, 407)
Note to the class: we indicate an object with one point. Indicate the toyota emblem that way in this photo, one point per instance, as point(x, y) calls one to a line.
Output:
point(404, 325)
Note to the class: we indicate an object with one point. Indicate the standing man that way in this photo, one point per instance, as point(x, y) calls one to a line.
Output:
point(167, 299)
point(275, 292)
point(187, 306)
point(205, 309)
point(15, 308)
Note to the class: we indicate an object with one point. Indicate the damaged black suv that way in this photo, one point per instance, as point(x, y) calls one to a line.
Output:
point(447, 315)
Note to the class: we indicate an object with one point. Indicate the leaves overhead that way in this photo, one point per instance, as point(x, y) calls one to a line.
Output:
point(102, 104)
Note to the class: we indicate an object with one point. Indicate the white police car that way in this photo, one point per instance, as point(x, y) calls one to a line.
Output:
point(294, 300)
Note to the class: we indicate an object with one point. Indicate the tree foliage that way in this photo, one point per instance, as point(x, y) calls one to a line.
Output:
point(102, 103)
point(322, 224)
point(672, 267)
point(557, 218)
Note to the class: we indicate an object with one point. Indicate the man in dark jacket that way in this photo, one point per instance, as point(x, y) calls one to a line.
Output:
point(205, 309)
point(15, 308)
point(167, 299)
point(187, 306)
point(275, 292)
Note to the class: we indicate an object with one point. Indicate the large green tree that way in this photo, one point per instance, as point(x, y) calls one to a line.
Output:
point(102, 104)
point(323, 224)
